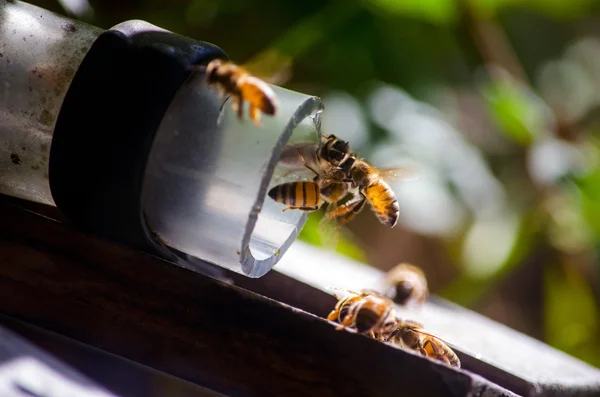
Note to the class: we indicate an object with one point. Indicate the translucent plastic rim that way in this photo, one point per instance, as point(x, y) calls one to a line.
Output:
point(252, 267)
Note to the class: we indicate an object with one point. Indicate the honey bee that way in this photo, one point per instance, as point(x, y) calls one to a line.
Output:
point(366, 184)
point(371, 186)
point(406, 284)
point(235, 81)
point(340, 174)
point(410, 335)
point(329, 184)
point(367, 312)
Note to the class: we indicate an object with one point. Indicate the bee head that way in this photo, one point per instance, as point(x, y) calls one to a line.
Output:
point(338, 150)
point(347, 164)
point(403, 291)
point(212, 69)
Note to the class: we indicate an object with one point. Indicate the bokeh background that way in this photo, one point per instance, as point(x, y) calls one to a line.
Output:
point(493, 102)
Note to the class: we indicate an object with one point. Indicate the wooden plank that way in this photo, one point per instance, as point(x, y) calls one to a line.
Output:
point(506, 357)
point(210, 333)
point(27, 371)
point(514, 361)
point(121, 376)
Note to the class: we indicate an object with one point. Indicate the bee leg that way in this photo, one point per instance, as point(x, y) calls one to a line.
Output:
point(235, 104)
point(221, 112)
point(420, 347)
point(348, 210)
point(333, 316)
point(255, 115)
point(304, 163)
point(313, 208)
point(223, 104)
point(348, 320)
point(240, 109)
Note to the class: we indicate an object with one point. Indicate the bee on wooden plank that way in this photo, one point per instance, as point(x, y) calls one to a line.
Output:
point(367, 312)
point(410, 335)
point(406, 284)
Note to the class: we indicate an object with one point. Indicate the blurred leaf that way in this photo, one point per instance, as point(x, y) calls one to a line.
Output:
point(309, 31)
point(271, 66)
point(202, 12)
point(488, 245)
point(588, 189)
point(440, 12)
point(570, 315)
point(568, 229)
point(589, 184)
point(590, 209)
point(560, 9)
point(519, 114)
point(465, 290)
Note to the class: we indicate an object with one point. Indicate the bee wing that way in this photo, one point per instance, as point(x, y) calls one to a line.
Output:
point(271, 66)
point(374, 292)
point(420, 331)
point(329, 230)
point(397, 173)
point(292, 154)
point(349, 291)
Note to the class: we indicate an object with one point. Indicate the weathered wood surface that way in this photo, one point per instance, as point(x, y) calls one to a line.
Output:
point(27, 371)
point(240, 343)
point(220, 336)
point(506, 357)
point(123, 377)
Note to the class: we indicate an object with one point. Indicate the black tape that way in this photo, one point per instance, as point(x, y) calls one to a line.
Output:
point(107, 123)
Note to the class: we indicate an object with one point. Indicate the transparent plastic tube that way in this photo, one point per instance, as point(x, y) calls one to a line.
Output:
point(39, 55)
point(206, 181)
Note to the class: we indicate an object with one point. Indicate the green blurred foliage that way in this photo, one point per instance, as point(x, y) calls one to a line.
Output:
point(559, 9)
point(571, 314)
point(515, 110)
point(436, 11)
point(447, 53)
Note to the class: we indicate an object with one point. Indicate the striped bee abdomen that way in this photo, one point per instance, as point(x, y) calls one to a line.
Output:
point(384, 203)
point(298, 195)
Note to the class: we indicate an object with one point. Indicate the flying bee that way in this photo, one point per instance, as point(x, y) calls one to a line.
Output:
point(371, 186)
point(367, 312)
point(410, 335)
point(236, 82)
point(406, 284)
